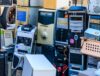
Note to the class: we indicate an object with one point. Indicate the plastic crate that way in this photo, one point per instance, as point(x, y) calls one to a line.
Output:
point(90, 47)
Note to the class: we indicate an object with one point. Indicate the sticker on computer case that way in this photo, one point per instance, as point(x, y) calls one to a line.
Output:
point(71, 41)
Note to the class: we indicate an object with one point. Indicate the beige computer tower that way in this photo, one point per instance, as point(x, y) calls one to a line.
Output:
point(45, 34)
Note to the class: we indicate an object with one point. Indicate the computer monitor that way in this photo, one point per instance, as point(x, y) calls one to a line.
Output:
point(21, 16)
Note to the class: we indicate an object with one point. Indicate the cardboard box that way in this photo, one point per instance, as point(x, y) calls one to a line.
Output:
point(56, 4)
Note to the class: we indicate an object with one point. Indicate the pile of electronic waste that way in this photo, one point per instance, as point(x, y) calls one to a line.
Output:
point(37, 39)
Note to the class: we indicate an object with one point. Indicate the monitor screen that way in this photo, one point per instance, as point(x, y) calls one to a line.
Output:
point(21, 16)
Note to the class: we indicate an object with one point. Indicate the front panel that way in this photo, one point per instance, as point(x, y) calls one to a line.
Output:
point(24, 44)
point(61, 32)
point(46, 27)
point(25, 40)
point(77, 61)
point(77, 25)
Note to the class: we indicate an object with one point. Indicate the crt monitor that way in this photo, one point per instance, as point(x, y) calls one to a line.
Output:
point(21, 16)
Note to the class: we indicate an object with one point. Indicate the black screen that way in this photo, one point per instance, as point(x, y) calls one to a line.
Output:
point(46, 17)
point(75, 58)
